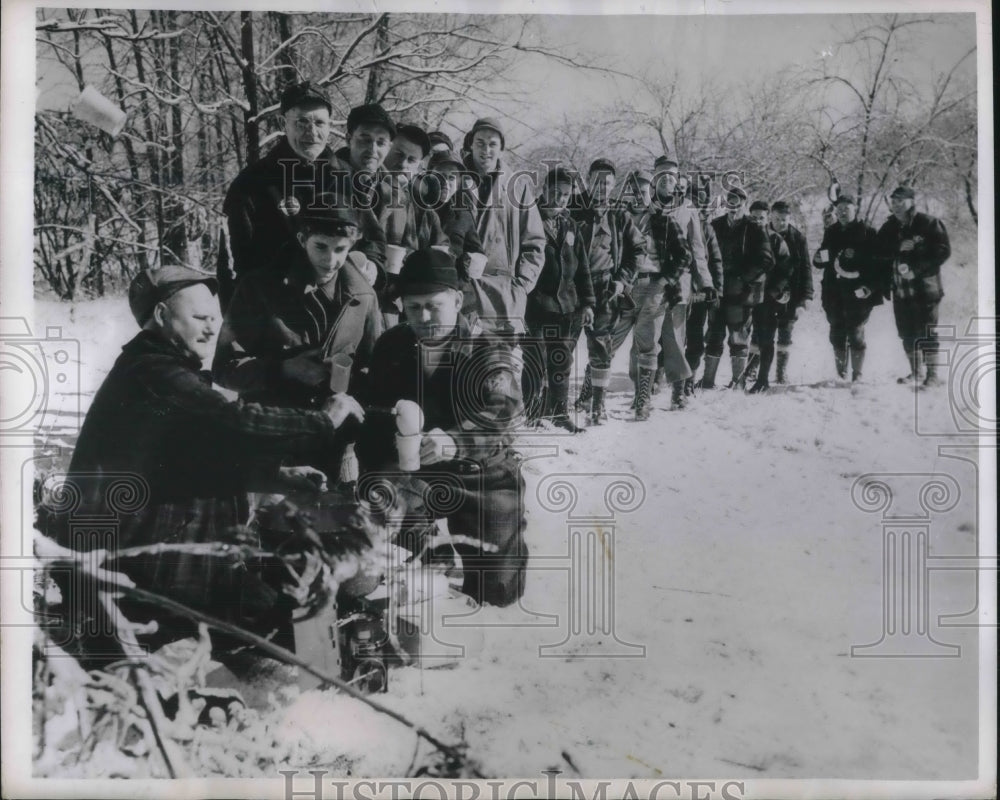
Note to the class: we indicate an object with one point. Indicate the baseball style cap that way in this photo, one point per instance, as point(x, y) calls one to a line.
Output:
point(371, 114)
point(151, 286)
point(301, 94)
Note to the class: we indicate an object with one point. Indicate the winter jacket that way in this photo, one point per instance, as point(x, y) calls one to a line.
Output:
point(844, 274)
point(917, 273)
point(564, 286)
point(800, 284)
point(510, 230)
point(747, 259)
point(780, 278)
point(667, 242)
point(277, 314)
point(405, 222)
point(474, 395)
point(262, 222)
point(163, 457)
point(614, 231)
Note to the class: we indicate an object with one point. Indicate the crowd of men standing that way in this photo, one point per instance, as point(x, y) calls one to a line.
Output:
point(396, 269)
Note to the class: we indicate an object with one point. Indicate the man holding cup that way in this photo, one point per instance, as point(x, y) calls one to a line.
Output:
point(465, 383)
point(912, 246)
point(850, 286)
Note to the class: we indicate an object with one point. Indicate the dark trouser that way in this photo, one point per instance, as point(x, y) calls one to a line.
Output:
point(599, 335)
point(701, 316)
point(916, 322)
point(786, 324)
point(643, 322)
point(484, 501)
point(847, 319)
point(547, 351)
point(673, 339)
point(766, 318)
point(735, 317)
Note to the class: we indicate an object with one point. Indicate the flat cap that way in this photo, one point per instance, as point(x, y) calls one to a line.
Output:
point(640, 176)
point(560, 174)
point(151, 286)
point(427, 271)
point(759, 205)
point(486, 123)
point(440, 141)
point(780, 206)
point(737, 191)
point(846, 200)
point(417, 135)
point(304, 93)
point(665, 161)
point(904, 192)
point(602, 165)
point(371, 114)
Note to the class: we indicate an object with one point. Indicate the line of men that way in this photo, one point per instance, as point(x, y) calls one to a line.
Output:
point(493, 293)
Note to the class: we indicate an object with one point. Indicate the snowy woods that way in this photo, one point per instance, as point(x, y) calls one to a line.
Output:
point(200, 90)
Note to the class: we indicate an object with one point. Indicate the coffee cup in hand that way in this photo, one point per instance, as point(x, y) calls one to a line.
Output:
point(394, 255)
point(408, 450)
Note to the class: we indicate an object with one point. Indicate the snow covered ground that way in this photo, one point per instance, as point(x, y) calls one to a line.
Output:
point(746, 572)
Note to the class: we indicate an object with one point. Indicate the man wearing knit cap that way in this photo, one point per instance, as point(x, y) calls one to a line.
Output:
point(467, 387)
point(157, 426)
point(912, 247)
point(747, 259)
point(263, 202)
point(614, 247)
point(851, 284)
point(510, 229)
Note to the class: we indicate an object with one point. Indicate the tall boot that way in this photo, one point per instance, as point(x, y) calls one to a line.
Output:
point(659, 378)
point(840, 359)
point(781, 369)
point(644, 388)
point(678, 398)
point(766, 357)
point(753, 361)
point(739, 368)
point(711, 367)
point(561, 419)
point(912, 356)
point(598, 387)
point(586, 392)
point(933, 378)
point(857, 364)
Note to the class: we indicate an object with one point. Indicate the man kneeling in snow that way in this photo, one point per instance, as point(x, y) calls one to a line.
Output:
point(163, 458)
point(466, 384)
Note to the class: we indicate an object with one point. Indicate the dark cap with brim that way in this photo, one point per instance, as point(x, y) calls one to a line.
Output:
point(426, 271)
point(444, 158)
point(150, 287)
point(737, 191)
point(665, 161)
point(437, 138)
point(371, 114)
point(486, 123)
point(602, 165)
point(759, 205)
point(560, 174)
point(416, 135)
point(904, 192)
point(328, 214)
point(641, 176)
point(302, 94)
point(780, 206)
point(846, 200)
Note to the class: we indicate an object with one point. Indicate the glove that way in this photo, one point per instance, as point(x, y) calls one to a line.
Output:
point(672, 293)
point(711, 296)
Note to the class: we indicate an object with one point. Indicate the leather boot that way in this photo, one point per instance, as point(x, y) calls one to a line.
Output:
point(644, 389)
point(781, 369)
point(597, 413)
point(933, 378)
point(711, 367)
point(913, 356)
point(753, 361)
point(586, 391)
point(840, 359)
point(678, 399)
point(560, 418)
point(857, 364)
point(739, 368)
point(659, 378)
point(766, 357)
point(689, 387)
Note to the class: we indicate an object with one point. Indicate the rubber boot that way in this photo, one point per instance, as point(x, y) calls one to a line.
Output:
point(678, 399)
point(857, 364)
point(711, 367)
point(913, 356)
point(586, 391)
point(840, 359)
point(781, 370)
point(644, 388)
point(739, 367)
point(766, 357)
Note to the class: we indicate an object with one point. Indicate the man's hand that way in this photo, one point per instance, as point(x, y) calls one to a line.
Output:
point(302, 479)
point(306, 368)
point(906, 246)
point(617, 288)
point(848, 253)
point(672, 293)
point(588, 316)
point(341, 406)
point(862, 293)
point(711, 296)
point(804, 305)
point(437, 446)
